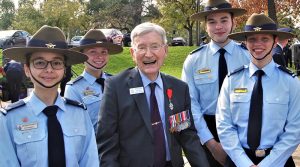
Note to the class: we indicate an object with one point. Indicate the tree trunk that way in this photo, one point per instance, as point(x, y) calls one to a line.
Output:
point(272, 10)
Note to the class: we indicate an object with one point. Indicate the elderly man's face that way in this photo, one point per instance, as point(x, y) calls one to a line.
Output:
point(149, 53)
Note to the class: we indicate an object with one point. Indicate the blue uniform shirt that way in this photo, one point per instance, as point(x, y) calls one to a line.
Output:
point(24, 130)
point(86, 90)
point(200, 71)
point(281, 114)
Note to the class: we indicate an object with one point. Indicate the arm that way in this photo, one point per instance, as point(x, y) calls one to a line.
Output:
point(289, 139)
point(200, 124)
point(108, 134)
point(72, 93)
point(190, 141)
point(227, 131)
point(90, 155)
point(7, 152)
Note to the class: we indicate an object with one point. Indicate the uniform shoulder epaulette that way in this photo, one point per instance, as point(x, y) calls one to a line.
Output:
point(75, 80)
point(75, 103)
point(287, 71)
point(242, 45)
point(12, 106)
point(198, 49)
point(237, 70)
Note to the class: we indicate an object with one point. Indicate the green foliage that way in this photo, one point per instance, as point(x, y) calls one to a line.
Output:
point(7, 10)
point(172, 66)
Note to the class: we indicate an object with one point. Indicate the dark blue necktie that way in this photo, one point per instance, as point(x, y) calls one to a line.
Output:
point(158, 131)
point(56, 146)
point(222, 67)
point(101, 82)
point(255, 114)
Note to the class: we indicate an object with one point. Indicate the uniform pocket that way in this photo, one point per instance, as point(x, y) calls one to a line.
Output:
point(92, 99)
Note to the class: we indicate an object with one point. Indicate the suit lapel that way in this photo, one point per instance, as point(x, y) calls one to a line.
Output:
point(135, 81)
point(168, 111)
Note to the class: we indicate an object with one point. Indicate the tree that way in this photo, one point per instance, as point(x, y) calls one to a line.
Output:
point(272, 10)
point(176, 16)
point(7, 10)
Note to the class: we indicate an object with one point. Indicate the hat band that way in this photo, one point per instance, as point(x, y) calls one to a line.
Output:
point(221, 6)
point(47, 44)
point(91, 41)
point(262, 27)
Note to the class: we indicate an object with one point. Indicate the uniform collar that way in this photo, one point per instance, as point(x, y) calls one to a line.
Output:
point(215, 48)
point(38, 106)
point(90, 78)
point(268, 69)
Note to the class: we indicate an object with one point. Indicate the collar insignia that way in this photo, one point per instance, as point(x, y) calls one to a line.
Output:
point(50, 45)
point(257, 29)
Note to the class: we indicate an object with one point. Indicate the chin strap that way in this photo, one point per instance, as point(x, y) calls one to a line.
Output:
point(267, 53)
point(98, 68)
point(43, 84)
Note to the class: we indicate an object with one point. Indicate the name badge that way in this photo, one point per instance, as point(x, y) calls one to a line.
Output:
point(240, 90)
point(137, 90)
point(204, 71)
point(29, 126)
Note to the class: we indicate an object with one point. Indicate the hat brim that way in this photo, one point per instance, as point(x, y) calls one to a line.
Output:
point(112, 48)
point(20, 53)
point(202, 15)
point(241, 36)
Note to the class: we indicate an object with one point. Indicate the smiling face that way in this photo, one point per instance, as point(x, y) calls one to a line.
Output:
point(97, 58)
point(45, 69)
point(218, 26)
point(149, 53)
point(260, 46)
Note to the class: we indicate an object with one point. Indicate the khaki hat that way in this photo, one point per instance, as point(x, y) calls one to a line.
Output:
point(46, 39)
point(96, 38)
point(260, 24)
point(216, 6)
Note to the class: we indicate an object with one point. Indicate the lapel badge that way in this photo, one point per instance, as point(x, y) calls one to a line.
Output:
point(240, 90)
point(25, 119)
point(170, 94)
point(204, 71)
point(50, 45)
point(257, 29)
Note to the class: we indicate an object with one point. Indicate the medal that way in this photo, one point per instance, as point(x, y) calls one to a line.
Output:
point(170, 94)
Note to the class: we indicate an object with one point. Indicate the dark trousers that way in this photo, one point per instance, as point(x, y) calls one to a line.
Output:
point(256, 160)
point(211, 124)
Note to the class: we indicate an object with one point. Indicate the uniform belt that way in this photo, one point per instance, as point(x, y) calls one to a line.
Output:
point(260, 153)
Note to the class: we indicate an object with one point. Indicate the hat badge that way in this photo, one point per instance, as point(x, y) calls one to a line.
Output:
point(214, 8)
point(50, 45)
point(257, 29)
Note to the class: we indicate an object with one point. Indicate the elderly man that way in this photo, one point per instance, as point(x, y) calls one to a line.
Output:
point(145, 117)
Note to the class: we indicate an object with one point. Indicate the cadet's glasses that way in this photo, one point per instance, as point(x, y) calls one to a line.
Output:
point(42, 64)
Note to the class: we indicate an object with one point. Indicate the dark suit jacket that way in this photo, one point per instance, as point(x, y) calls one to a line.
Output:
point(125, 134)
point(278, 56)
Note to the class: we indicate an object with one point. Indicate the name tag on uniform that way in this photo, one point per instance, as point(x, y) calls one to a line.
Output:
point(240, 90)
point(137, 90)
point(29, 126)
point(204, 71)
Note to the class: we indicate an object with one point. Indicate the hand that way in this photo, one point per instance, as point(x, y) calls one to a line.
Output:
point(217, 151)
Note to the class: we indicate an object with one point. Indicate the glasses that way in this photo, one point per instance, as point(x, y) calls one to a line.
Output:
point(42, 64)
point(153, 48)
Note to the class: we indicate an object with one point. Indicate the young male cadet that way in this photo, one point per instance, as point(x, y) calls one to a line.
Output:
point(45, 129)
point(206, 67)
point(258, 125)
point(88, 87)
point(145, 117)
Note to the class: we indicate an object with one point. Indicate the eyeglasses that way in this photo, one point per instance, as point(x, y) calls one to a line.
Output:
point(42, 64)
point(153, 48)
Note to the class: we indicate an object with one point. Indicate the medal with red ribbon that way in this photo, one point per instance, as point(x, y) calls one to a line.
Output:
point(170, 94)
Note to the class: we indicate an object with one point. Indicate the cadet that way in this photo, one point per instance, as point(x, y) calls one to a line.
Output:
point(206, 67)
point(257, 125)
point(88, 87)
point(45, 129)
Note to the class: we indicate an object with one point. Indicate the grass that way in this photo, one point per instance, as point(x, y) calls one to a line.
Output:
point(172, 66)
